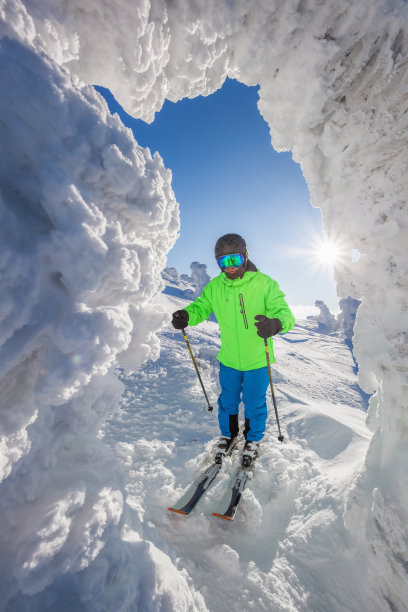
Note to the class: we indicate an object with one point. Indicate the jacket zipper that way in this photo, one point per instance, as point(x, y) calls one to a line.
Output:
point(236, 331)
point(241, 301)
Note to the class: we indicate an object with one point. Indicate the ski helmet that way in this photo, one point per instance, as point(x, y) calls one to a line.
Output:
point(229, 244)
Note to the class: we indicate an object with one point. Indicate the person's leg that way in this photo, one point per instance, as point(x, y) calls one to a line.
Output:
point(229, 400)
point(255, 386)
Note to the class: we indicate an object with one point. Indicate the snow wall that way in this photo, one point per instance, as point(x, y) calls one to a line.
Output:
point(87, 217)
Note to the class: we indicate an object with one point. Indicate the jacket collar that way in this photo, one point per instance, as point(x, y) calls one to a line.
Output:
point(251, 267)
point(249, 273)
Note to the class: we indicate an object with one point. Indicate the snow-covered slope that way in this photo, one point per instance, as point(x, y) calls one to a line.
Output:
point(287, 549)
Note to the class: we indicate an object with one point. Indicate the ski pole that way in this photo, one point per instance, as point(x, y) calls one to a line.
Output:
point(280, 437)
point(210, 408)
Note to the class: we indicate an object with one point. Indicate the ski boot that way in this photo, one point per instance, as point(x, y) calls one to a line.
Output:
point(224, 447)
point(249, 453)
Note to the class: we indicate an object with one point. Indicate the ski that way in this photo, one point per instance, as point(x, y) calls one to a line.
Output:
point(228, 505)
point(199, 486)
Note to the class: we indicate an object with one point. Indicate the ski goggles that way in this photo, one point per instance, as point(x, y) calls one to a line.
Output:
point(230, 261)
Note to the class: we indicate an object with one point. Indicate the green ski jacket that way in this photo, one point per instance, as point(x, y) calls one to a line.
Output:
point(235, 304)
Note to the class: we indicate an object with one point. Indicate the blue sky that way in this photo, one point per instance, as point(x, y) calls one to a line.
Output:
point(228, 178)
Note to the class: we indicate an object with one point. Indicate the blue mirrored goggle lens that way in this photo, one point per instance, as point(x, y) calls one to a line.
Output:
point(227, 261)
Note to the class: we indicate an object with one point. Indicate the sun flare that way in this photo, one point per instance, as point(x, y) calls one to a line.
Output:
point(327, 253)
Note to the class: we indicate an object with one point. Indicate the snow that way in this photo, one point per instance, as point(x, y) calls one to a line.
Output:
point(326, 320)
point(345, 320)
point(87, 218)
point(347, 316)
point(200, 276)
point(282, 550)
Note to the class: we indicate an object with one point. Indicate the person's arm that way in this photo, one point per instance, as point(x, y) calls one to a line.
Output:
point(201, 308)
point(277, 307)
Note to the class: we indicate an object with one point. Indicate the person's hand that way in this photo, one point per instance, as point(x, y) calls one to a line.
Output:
point(267, 327)
point(180, 319)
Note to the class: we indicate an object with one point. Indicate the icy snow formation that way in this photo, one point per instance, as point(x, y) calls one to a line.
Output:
point(345, 321)
point(193, 285)
point(87, 217)
point(200, 276)
point(346, 318)
point(326, 320)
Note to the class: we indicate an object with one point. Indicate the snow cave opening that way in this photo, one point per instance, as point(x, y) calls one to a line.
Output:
point(227, 176)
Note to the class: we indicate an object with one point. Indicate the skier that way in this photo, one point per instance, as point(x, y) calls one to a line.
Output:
point(249, 305)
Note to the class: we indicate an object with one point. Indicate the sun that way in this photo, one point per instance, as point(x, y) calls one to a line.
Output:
point(327, 253)
point(322, 253)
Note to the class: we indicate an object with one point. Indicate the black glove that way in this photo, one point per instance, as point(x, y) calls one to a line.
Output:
point(180, 319)
point(267, 327)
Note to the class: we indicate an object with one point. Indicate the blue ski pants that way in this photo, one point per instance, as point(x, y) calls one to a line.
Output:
point(252, 385)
